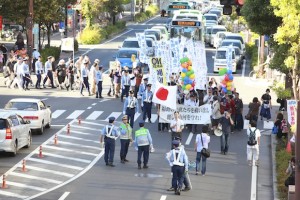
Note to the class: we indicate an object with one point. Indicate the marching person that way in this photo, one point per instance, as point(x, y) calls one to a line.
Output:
point(266, 106)
point(216, 113)
point(176, 126)
point(92, 76)
point(239, 121)
point(179, 162)
point(117, 80)
point(125, 83)
point(226, 123)
point(70, 74)
point(125, 138)
point(61, 71)
point(98, 79)
point(84, 71)
point(111, 85)
point(35, 55)
point(18, 71)
point(143, 142)
point(48, 71)
point(147, 103)
point(201, 142)
point(26, 74)
point(131, 106)
point(253, 134)
point(142, 88)
point(109, 133)
point(191, 100)
point(38, 71)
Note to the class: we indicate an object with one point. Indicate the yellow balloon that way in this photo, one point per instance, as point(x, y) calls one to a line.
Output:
point(189, 68)
point(133, 57)
point(228, 84)
point(188, 86)
point(192, 76)
point(228, 87)
point(183, 75)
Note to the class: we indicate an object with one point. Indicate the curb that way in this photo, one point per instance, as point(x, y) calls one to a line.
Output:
point(274, 174)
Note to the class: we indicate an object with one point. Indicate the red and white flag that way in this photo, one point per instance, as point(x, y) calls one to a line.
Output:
point(165, 95)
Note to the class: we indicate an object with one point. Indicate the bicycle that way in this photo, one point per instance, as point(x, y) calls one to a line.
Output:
point(257, 72)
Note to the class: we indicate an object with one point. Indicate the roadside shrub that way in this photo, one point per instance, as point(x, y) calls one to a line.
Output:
point(140, 17)
point(148, 13)
point(120, 24)
point(153, 9)
point(50, 51)
point(91, 35)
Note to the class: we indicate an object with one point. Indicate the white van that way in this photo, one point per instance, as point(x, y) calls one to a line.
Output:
point(214, 30)
point(220, 61)
point(219, 38)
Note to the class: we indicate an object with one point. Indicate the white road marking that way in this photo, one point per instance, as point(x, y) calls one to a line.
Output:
point(79, 145)
point(75, 114)
point(25, 186)
point(57, 125)
point(92, 123)
point(78, 138)
point(94, 115)
point(153, 118)
point(54, 163)
point(35, 177)
point(103, 100)
point(136, 116)
point(66, 157)
point(75, 126)
point(12, 194)
point(72, 179)
point(89, 108)
point(93, 104)
point(49, 171)
point(114, 114)
point(69, 150)
point(79, 132)
point(145, 23)
point(64, 196)
point(57, 113)
point(253, 181)
point(188, 141)
point(163, 197)
point(44, 99)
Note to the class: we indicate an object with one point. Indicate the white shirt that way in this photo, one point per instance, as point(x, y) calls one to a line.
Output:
point(179, 125)
point(189, 102)
point(257, 135)
point(206, 140)
point(18, 68)
point(36, 54)
point(208, 99)
point(38, 67)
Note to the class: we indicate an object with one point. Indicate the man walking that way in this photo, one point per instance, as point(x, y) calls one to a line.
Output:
point(253, 143)
point(38, 71)
point(176, 126)
point(84, 71)
point(143, 142)
point(131, 106)
point(226, 123)
point(147, 103)
point(125, 138)
point(18, 70)
point(26, 74)
point(125, 83)
point(239, 121)
point(110, 133)
point(48, 70)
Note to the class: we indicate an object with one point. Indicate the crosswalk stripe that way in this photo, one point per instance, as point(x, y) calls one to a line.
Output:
point(75, 114)
point(69, 150)
point(57, 113)
point(92, 123)
point(66, 157)
point(153, 118)
point(83, 127)
point(114, 114)
point(35, 177)
point(79, 132)
point(136, 116)
point(80, 145)
point(55, 163)
point(49, 171)
point(12, 194)
point(78, 138)
point(25, 186)
point(94, 115)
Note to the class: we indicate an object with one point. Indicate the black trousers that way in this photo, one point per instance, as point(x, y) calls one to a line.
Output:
point(147, 110)
point(99, 89)
point(26, 81)
point(124, 148)
point(50, 76)
point(38, 82)
point(125, 91)
point(85, 83)
point(143, 150)
point(109, 150)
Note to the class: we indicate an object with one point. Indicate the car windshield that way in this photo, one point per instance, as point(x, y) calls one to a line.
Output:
point(215, 30)
point(222, 55)
point(149, 43)
point(231, 37)
point(131, 44)
point(21, 106)
point(215, 12)
point(2, 124)
point(126, 54)
point(211, 18)
point(153, 33)
point(235, 44)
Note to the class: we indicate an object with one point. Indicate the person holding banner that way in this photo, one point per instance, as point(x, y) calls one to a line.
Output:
point(176, 126)
point(131, 106)
point(191, 100)
point(147, 103)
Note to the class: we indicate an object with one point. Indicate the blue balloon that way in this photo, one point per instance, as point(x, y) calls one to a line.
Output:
point(229, 72)
point(230, 77)
point(190, 81)
point(224, 89)
point(184, 70)
point(186, 78)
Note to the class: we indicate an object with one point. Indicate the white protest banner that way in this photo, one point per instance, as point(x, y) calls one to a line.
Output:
point(189, 114)
point(292, 111)
point(158, 69)
point(67, 44)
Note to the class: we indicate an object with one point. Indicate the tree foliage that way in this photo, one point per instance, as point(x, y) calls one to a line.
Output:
point(260, 17)
point(113, 7)
point(91, 10)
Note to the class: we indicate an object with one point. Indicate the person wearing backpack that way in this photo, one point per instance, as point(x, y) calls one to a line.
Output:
point(278, 123)
point(253, 143)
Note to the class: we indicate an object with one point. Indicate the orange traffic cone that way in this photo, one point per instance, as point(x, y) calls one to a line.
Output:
point(79, 120)
point(4, 186)
point(41, 152)
point(55, 140)
point(288, 147)
point(68, 129)
point(24, 166)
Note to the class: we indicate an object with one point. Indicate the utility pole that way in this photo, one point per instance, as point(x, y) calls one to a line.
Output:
point(29, 26)
point(297, 153)
point(66, 20)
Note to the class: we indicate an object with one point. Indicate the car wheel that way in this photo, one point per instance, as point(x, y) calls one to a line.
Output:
point(15, 149)
point(41, 130)
point(29, 140)
point(49, 124)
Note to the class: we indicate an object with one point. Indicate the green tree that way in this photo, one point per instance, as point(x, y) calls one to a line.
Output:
point(113, 7)
point(91, 10)
point(260, 17)
point(289, 33)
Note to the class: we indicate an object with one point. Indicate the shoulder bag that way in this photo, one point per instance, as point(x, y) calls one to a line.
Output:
point(205, 152)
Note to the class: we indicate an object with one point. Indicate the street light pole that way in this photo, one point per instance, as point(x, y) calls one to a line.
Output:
point(29, 24)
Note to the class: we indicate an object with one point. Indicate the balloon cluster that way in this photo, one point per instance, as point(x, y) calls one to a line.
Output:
point(187, 75)
point(226, 79)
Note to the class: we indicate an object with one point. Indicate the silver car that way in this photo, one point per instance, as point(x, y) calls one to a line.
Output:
point(15, 132)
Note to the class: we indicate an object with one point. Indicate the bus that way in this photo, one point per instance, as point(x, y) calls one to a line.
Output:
point(188, 28)
point(177, 5)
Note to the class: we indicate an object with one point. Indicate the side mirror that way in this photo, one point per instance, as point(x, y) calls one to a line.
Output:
point(27, 122)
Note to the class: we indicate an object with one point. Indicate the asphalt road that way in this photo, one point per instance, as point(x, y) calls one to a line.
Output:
point(76, 165)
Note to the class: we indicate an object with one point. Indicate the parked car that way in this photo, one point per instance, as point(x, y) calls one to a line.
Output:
point(236, 36)
point(207, 34)
point(15, 132)
point(211, 16)
point(124, 57)
point(33, 110)
point(220, 60)
point(132, 43)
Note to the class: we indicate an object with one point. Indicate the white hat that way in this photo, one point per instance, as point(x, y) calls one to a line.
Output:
point(97, 61)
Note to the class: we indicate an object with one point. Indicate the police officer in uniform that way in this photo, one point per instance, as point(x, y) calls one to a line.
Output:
point(143, 142)
point(98, 81)
point(110, 133)
point(26, 74)
point(48, 69)
point(131, 106)
point(125, 138)
point(142, 88)
point(179, 162)
point(147, 103)
point(38, 71)
point(84, 71)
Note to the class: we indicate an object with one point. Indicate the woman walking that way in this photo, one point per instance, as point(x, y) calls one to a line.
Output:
point(202, 141)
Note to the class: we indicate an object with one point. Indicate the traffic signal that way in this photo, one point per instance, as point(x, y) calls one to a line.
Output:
point(239, 5)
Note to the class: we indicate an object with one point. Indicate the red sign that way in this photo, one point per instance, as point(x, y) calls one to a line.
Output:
point(1, 23)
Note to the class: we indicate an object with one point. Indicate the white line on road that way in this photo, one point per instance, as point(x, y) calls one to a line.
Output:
point(57, 113)
point(89, 108)
point(12, 194)
point(153, 118)
point(188, 141)
point(64, 196)
point(163, 197)
point(49, 171)
point(75, 114)
point(69, 150)
point(66, 157)
point(57, 125)
point(35, 177)
point(25, 186)
point(79, 145)
point(92, 123)
point(94, 115)
point(78, 138)
point(75, 126)
point(253, 181)
point(79, 132)
point(54, 163)
point(136, 116)
point(93, 104)
point(114, 114)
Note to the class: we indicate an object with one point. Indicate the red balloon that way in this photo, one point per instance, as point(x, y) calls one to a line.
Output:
point(226, 78)
point(193, 84)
